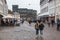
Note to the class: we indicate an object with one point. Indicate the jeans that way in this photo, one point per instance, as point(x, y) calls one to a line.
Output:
point(58, 26)
point(37, 32)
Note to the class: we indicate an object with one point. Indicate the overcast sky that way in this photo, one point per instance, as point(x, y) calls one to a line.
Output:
point(30, 4)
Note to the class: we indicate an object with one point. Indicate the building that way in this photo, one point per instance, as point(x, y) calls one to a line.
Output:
point(25, 13)
point(15, 8)
point(3, 9)
point(47, 7)
point(14, 15)
point(10, 13)
point(44, 5)
point(17, 16)
point(57, 9)
point(50, 7)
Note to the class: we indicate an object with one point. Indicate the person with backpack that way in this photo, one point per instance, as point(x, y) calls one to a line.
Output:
point(41, 27)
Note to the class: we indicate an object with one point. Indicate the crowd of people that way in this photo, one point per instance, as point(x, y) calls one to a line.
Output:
point(53, 24)
point(8, 22)
point(40, 24)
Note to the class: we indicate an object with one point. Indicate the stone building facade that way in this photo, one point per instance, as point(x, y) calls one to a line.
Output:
point(50, 7)
point(25, 13)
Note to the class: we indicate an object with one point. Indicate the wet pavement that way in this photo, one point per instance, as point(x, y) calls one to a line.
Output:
point(27, 32)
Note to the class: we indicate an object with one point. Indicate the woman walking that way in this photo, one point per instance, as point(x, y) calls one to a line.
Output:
point(37, 27)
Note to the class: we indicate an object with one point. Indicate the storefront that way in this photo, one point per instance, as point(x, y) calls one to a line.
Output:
point(52, 17)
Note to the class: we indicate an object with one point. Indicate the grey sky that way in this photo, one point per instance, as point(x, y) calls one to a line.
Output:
point(30, 4)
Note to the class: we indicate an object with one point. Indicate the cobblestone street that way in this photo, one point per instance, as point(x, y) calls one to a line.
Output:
point(27, 32)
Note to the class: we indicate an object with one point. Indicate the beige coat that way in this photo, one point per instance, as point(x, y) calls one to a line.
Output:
point(37, 25)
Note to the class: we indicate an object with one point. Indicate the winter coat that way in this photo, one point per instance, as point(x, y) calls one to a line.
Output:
point(37, 26)
point(41, 26)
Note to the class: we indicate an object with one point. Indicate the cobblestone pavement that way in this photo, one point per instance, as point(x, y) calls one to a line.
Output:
point(27, 32)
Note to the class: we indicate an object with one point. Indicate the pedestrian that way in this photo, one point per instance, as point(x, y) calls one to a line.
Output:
point(22, 21)
point(58, 24)
point(48, 23)
point(37, 27)
point(52, 22)
point(30, 22)
point(41, 27)
point(2, 22)
point(6, 22)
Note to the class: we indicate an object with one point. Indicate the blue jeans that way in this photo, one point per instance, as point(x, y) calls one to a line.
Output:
point(37, 31)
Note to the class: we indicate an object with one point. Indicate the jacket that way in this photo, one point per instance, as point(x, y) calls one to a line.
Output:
point(41, 26)
point(37, 26)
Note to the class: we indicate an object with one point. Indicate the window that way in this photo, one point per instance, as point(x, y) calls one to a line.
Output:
point(44, 2)
point(44, 10)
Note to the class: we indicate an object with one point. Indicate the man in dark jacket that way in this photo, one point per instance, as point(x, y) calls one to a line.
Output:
point(58, 24)
point(41, 27)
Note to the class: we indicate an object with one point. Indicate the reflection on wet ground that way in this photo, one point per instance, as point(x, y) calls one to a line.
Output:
point(39, 38)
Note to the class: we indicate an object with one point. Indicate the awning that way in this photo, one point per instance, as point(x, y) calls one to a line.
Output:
point(8, 16)
point(44, 14)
